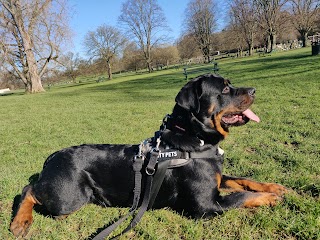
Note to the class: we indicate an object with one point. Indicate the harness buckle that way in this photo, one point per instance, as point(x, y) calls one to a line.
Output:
point(137, 164)
point(151, 167)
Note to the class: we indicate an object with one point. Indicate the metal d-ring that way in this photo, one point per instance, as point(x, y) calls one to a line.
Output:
point(150, 172)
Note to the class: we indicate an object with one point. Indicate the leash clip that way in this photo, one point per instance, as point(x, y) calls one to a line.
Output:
point(139, 155)
point(158, 144)
point(154, 154)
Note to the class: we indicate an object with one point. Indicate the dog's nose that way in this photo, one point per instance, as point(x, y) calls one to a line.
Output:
point(251, 91)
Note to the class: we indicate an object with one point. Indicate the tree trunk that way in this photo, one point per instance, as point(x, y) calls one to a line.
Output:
point(206, 54)
point(250, 47)
point(149, 66)
point(33, 76)
point(109, 70)
point(250, 44)
point(36, 85)
point(304, 37)
point(34, 79)
point(268, 44)
point(250, 50)
point(240, 52)
point(273, 42)
point(28, 87)
point(147, 54)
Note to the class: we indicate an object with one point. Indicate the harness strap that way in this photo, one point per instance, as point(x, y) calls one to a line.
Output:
point(158, 179)
point(150, 170)
point(137, 218)
point(137, 166)
point(180, 158)
point(148, 189)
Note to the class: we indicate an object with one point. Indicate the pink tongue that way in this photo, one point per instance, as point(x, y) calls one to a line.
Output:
point(251, 115)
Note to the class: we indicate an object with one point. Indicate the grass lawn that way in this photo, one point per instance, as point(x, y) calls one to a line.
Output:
point(284, 147)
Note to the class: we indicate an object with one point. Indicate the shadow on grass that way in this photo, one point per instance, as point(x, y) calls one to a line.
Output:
point(138, 87)
point(151, 87)
point(274, 57)
point(18, 93)
point(161, 82)
point(270, 63)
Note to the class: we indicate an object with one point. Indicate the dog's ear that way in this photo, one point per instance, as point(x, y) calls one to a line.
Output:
point(189, 95)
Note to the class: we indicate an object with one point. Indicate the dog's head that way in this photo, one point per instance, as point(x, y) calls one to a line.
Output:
point(216, 103)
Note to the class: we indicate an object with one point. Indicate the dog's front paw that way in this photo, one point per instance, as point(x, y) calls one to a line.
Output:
point(20, 226)
point(261, 199)
point(276, 189)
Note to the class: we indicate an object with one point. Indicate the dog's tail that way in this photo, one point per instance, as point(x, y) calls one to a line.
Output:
point(23, 217)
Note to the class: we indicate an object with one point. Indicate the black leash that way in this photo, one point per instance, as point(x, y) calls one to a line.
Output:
point(137, 166)
point(150, 191)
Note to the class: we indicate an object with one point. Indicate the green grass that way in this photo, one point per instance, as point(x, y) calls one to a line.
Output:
point(283, 148)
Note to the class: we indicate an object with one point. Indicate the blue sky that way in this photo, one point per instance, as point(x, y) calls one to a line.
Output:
point(91, 14)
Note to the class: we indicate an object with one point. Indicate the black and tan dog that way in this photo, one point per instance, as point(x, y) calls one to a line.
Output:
point(205, 108)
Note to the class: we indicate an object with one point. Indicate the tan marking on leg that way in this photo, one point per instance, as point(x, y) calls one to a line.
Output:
point(261, 199)
point(23, 219)
point(275, 188)
point(250, 185)
point(218, 179)
point(234, 185)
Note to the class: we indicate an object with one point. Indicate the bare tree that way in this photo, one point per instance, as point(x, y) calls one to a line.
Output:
point(232, 39)
point(31, 33)
point(71, 62)
point(244, 19)
point(165, 55)
point(269, 14)
point(104, 43)
point(187, 47)
point(145, 22)
point(133, 57)
point(304, 17)
point(200, 22)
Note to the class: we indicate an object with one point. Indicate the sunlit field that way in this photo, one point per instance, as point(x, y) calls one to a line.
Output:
point(284, 147)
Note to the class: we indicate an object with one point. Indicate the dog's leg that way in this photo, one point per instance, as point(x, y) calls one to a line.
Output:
point(23, 218)
point(247, 200)
point(239, 184)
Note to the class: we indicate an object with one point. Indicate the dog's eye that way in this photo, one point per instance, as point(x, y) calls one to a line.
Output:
point(226, 90)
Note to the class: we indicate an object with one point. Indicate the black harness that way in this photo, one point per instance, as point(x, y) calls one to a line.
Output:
point(159, 158)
